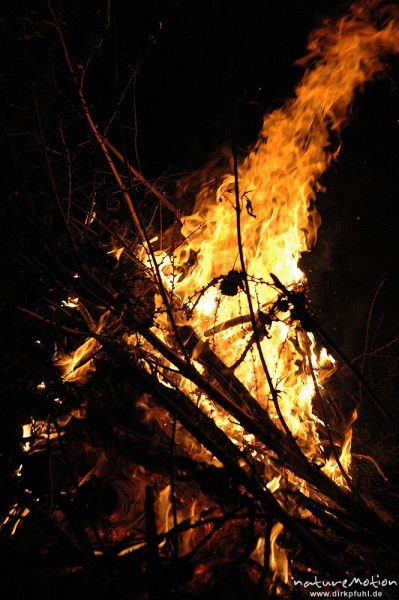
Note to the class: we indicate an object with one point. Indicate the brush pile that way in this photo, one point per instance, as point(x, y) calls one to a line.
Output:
point(137, 457)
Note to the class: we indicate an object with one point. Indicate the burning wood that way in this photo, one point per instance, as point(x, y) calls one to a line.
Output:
point(191, 412)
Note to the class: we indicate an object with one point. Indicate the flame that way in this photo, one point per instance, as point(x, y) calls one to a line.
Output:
point(15, 518)
point(345, 459)
point(278, 182)
point(188, 514)
point(77, 365)
point(117, 253)
point(278, 561)
point(278, 186)
point(163, 508)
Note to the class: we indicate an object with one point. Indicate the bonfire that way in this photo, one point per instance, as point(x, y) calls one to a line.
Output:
point(186, 429)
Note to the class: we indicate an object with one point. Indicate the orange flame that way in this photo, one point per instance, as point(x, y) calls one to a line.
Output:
point(77, 365)
point(278, 183)
point(278, 561)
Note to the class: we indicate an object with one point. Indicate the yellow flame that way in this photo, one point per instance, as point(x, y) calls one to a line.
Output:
point(278, 560)
point(331, 467)
point(117, 253)
point(77, 365)
point(279, 178)
point(278, 183)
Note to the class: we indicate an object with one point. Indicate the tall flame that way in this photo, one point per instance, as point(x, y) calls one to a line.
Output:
point(278, 182)
point(278, 185)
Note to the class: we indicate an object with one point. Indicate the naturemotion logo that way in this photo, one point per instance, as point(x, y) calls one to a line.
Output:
point(354, 587)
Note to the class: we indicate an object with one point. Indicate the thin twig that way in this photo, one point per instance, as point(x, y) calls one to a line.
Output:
point(137, 175)
point(50, 171)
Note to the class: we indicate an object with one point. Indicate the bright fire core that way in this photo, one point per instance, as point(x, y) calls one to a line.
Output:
point(278, 182)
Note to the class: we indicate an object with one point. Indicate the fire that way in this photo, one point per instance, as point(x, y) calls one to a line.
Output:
point(279, 181)
point(278, 557)
point(331, 466)
point(278, 188)
point(77, 365)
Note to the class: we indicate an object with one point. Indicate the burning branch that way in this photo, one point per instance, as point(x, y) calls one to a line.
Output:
point(175, 422)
